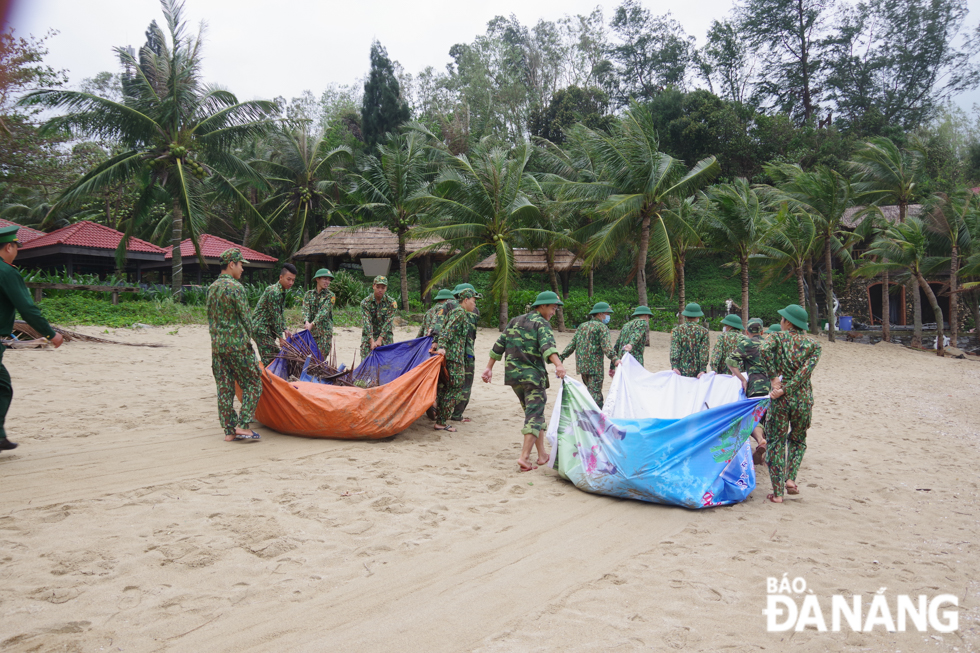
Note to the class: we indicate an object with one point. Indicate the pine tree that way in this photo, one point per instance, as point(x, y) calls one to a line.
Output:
point(383, 110)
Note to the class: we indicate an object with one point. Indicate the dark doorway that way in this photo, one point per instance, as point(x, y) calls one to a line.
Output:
point(928, 316)
point(896, 303)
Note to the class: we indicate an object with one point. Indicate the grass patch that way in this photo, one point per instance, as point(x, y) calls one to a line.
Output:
point(76, 310)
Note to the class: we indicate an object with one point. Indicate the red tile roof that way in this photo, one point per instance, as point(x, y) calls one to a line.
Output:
point(24, 234)
point(92, 235)
point(212, 247)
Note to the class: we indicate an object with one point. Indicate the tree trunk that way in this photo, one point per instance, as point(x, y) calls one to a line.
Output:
point(503, 319)
point(177, 278)
point(814, 311)
point(974, 300)
point(829, 261)
point(800, 288)
point(916, 313)
point(403, 268)
point(591, 287)
point(954, 329)
point(553, 279)
point(744, 263)
point(641, 261)
point(886, 309)
point(936, 311)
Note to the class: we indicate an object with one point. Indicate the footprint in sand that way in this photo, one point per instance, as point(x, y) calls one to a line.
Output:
point(131, 597)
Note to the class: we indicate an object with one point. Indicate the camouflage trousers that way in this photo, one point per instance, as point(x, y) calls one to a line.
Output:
point(268, 349)
point(450, 392)
point(366, 345)
point(324, 341)
point(784, 452)
point(228, 368)
point(533, 399)
point(467, 390)
point(594, 383)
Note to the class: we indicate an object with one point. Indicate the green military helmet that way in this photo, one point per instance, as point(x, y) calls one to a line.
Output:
point(692, 310)
point(755, 325)
point(600, 307)
point(641, 310)
point(547, 297)
point(733, 321)
point(323, 272)
point(9, 234)
point(796, 315)
point(445, 293)
point(463, 286)
point(774, 328)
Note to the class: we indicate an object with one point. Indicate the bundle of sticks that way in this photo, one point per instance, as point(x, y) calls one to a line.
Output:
point(296, 356)
point(24, 330)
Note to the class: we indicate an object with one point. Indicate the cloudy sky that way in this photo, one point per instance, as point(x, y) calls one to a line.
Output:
point(267, 48)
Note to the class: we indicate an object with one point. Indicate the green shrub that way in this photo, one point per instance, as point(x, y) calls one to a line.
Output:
point(76, 309)
point(348, 288)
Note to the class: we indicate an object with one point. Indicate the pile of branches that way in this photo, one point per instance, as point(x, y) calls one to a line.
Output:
point(296, 356)
point(24, 330)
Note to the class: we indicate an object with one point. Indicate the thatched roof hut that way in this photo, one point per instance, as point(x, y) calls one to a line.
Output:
point(536, 260)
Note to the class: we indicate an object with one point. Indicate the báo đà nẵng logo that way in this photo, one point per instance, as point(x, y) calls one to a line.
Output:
point(791, 606)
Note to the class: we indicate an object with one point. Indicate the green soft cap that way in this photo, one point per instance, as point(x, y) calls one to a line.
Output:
point(755, 325)
point(467, 293)
point(642, 310)
point(547, 297)
point(692, 310)
point(323, 272)
point(9, 234)
point(380, 281)
point(600, 307)
point(796, 315)
point(445, 293)
point(733, 321)
point(233, 255)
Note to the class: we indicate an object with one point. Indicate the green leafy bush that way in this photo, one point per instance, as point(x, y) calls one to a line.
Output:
point(348, 288)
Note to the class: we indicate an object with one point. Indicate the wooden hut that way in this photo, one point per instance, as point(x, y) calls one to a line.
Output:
point(87, 248)
point(335, 246)
point(24, 234)
point(211, 249)
point(536, 260)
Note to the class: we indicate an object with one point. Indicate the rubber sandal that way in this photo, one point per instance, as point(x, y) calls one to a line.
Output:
point(251, 436)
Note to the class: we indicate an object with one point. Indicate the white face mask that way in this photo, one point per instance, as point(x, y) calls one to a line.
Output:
point(605, 319)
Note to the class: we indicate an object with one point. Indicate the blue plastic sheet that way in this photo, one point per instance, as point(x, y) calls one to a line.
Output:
point(388, 362)
point(303, 341)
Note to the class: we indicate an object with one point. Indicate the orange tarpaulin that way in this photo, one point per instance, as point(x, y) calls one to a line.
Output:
point(328, 411)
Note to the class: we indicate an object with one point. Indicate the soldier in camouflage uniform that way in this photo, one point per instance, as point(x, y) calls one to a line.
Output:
point(318, 306)
point(268, 316)
point(746, 364)
point(591, 341)
point(633, 336)
point(377, 314)
point(232, 358)
point(726, 343)
point(791, 356)
point(451, 343)
point(474, 318)
point(432, 321)
point(689, 344)
point(528, 342)
point(773, 328)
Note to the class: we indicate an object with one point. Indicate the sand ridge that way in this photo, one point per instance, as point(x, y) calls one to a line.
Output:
point(126, 523)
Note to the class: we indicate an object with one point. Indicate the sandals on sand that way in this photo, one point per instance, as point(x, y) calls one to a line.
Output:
point(792, 489)
point(249, 436)
point(447, 429)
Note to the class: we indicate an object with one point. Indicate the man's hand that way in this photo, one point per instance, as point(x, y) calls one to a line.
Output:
point(441, 351)
point(612, 372)
point(307, 325)
point(677, 371)
point(776, 394)
point(57, 340)
point(372, 342)
point(560, 371)
point(487, 375)
point(628, 348)
point(287, 334)
point(700, 374)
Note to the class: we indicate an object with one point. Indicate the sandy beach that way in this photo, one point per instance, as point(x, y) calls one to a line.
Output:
point(128, 524)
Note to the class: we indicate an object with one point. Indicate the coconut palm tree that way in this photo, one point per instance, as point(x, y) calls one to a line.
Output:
point(634, 184)
point(885, 174)
point(391, 189)
point(685, 224)
point(484, 202)
point(176, 134)
point(947, 219)
point(824, 195)
point(787, 245)
point(733, 225)
point(904, 248)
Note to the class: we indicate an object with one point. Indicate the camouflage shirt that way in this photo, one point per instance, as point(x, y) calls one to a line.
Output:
point(634, 333)
point(454, 335)
point(268, 320)
point(747, 358)
point(377, 317)
point(591, 341)
point(527, 342)
point(228, 316)
point(724, 346)
point(473, 319)
point(321, 315)
point(792, 355)
point(313, 301)
point(689, 349)
point(432, 321)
